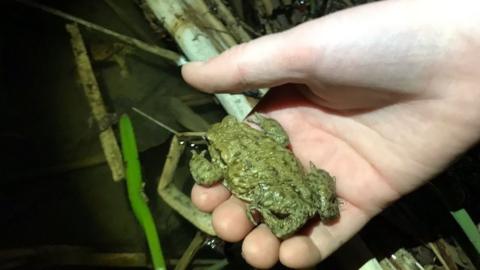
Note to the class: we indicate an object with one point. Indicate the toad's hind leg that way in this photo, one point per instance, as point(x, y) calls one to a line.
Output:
point(280, 209)
point(204, 172)
point(281, 224)
point(271, 128)
point(324, 196)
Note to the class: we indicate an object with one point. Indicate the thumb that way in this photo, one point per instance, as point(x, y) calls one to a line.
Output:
point(265, 62)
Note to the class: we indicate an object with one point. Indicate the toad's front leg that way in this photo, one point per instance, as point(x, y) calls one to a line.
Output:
point(324, 196)
point(204, 172)
point(271, 127)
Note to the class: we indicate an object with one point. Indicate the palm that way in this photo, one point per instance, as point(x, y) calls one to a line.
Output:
point(340, 147)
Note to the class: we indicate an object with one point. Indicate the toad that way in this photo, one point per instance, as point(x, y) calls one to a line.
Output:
point(256, 165)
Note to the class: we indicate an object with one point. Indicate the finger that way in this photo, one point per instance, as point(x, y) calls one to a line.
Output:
point(268, 61)
point(230, 221)
point(299, 252)
point(260, 248)
point(304, 251)
point(208, 198)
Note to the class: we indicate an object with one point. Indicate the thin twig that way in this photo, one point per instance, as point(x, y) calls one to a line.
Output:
point(126, 20)
point(191, 251)
point(161, 52)
point(231, 22)
point(78, 257)
point(155, 121)
point(437, 253)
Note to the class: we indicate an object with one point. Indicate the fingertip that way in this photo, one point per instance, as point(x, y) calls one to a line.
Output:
point(299, 252)
point(193, 64)
point(208, 198)
point(230, 221)
point(191, 73)
point(260, 248)
point(190, 67)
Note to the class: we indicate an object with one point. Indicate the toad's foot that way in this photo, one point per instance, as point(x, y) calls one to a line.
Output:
point(203, 171)
point(282, 226)
point(271, 128)
point(324, 196)
point(280, 209)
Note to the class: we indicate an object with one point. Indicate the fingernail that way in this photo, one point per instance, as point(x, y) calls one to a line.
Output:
point(194, 64)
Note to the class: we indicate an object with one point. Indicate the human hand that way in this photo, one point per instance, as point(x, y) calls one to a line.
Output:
point(383, 96)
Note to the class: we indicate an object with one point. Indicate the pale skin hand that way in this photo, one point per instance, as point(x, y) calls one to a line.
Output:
point(393, 94)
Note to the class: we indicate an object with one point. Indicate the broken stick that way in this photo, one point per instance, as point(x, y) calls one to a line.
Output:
point(92, 92)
